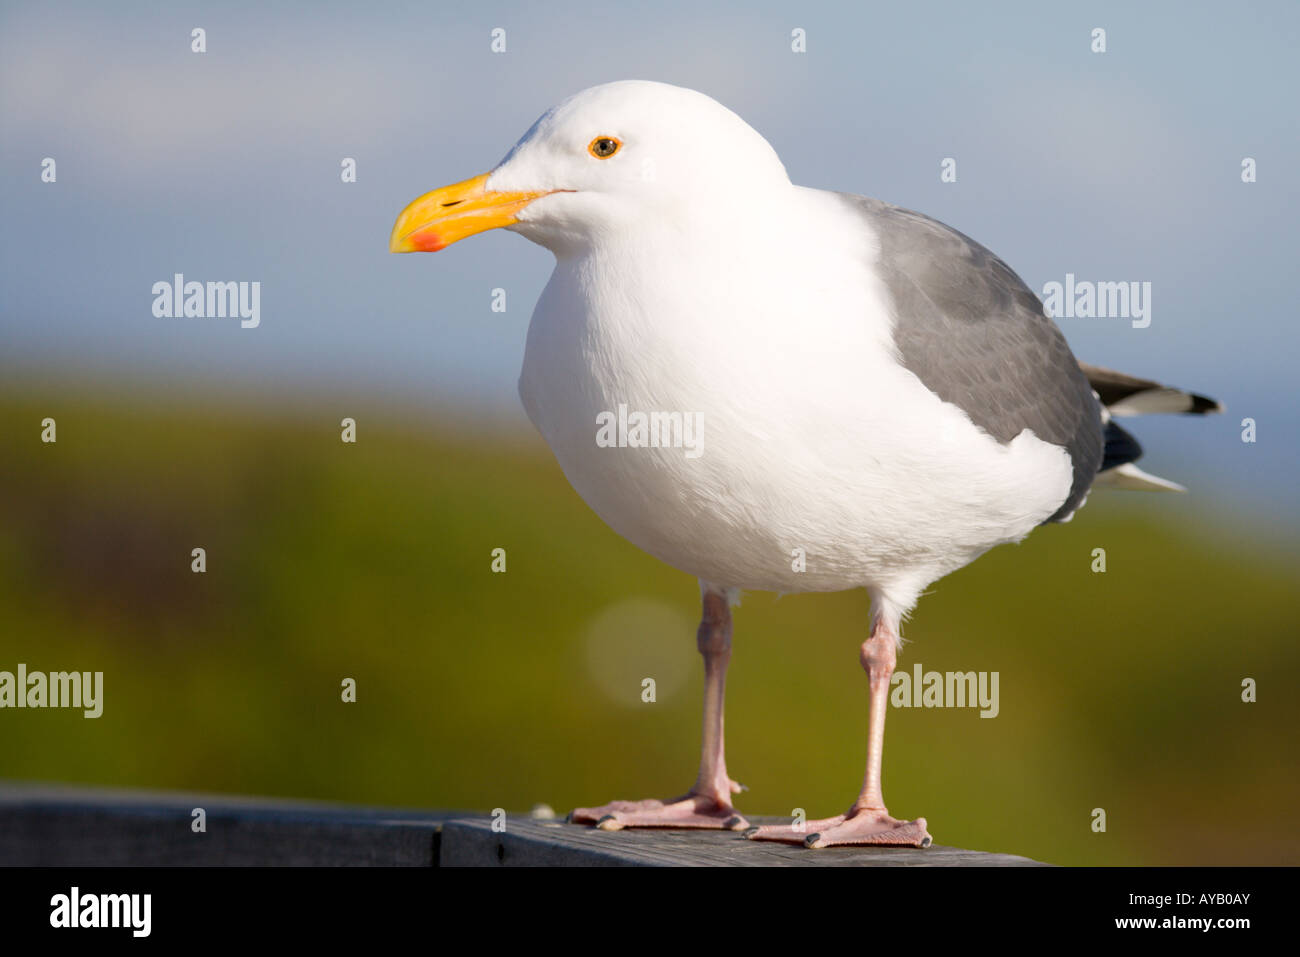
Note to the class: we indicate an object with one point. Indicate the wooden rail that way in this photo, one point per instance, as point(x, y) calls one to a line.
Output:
point(55, 826)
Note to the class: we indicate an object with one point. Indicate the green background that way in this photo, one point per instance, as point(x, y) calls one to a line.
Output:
point(476, 690)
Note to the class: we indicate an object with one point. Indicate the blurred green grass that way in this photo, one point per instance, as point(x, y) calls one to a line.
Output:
point(372, 561)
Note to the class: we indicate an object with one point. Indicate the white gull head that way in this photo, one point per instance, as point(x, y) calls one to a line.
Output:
point(616, 156)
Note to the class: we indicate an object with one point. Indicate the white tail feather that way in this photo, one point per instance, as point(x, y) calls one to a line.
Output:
point(1129, 476)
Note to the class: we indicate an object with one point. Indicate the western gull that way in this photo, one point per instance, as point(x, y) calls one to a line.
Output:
point(878, 399)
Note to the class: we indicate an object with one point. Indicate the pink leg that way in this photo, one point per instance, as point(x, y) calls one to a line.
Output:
point(867, 821)
point(708, 803)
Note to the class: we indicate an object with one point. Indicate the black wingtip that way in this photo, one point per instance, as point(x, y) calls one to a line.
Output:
point(1121, 448)
point(1204, 405)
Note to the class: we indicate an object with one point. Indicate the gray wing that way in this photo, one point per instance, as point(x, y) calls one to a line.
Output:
point(978, 337)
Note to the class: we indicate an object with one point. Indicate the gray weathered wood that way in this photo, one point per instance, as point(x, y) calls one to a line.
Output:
point(527, 842)
point(45, 826)
point(71, 827)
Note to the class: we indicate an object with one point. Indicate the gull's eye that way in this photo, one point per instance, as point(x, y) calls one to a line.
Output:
point(603, 147)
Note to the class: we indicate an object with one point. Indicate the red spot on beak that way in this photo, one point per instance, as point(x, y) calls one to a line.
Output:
point(426, 241)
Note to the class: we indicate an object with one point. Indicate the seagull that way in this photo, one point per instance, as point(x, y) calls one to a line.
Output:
point(874, 399)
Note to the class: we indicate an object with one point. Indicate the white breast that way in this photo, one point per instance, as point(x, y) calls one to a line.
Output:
point(814, 437)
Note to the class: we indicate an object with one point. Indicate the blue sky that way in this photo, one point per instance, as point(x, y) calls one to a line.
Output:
point(225, 166)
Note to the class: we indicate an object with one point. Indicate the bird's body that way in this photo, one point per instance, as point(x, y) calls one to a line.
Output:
point(814, 435)
point(848, 394)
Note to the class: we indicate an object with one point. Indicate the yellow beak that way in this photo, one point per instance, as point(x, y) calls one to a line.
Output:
point(438, 219)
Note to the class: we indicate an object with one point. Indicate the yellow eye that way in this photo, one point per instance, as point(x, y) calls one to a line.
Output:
point(603, 147)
